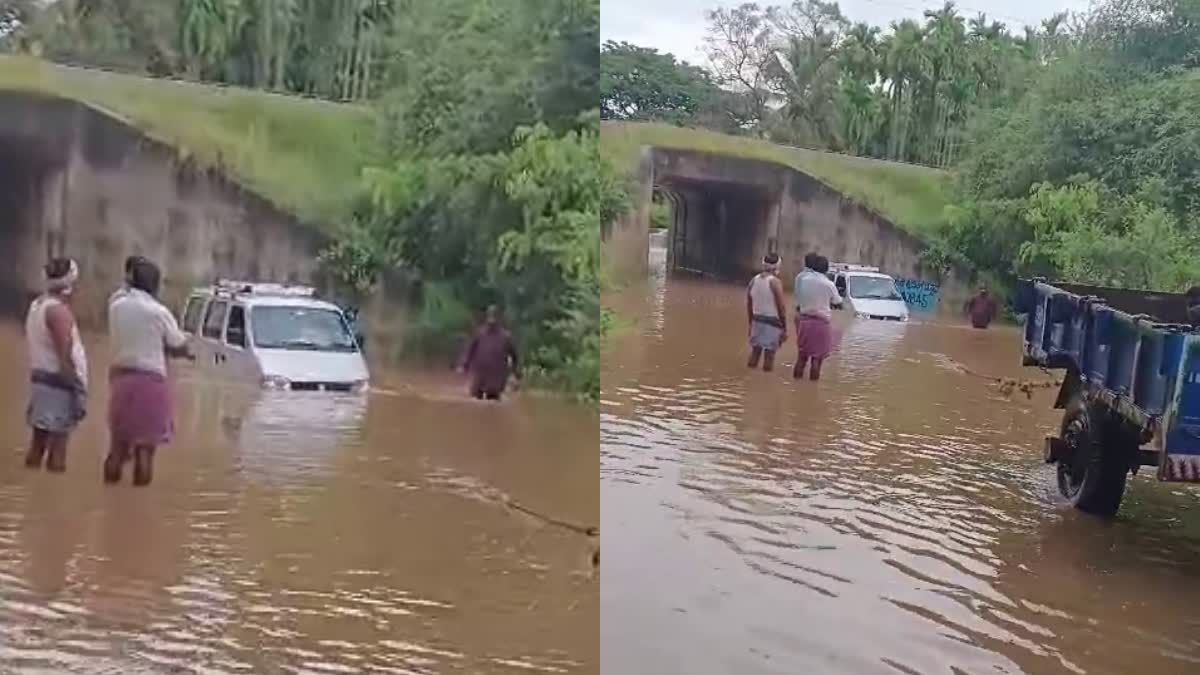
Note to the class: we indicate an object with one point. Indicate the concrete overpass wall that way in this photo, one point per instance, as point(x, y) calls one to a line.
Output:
point(731, 211)
point(84, 184)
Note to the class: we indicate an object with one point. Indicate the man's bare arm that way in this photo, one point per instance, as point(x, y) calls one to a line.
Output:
point(777, 290)
point(749, 305)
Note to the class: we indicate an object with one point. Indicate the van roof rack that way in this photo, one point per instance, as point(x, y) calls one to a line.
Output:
point(234, 287)
point(848, 267)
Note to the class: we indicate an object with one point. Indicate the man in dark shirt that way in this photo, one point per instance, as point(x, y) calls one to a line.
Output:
point(490, 358)
point(981, 309)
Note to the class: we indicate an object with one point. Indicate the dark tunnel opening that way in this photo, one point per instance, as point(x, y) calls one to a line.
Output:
point(26, 165)
point(717, 229)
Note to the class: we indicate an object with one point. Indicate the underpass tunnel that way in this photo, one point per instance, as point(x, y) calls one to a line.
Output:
point(718, 229)
point(29, 206)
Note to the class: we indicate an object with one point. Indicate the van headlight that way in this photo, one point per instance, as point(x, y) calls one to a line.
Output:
point(360, 386)
point(276, 382)
point(861, 315)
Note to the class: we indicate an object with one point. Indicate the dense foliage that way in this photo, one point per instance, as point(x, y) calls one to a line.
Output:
point(1092, 176)
point(494, 190)
point(330, 48)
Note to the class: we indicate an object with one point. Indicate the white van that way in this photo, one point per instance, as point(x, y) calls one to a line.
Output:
point(868, 293)
point(278, 336)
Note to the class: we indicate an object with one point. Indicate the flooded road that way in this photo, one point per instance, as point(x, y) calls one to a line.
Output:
point(305, 535)
point(894, 518)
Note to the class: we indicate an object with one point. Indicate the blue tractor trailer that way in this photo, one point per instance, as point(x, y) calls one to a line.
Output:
point(1131, 390)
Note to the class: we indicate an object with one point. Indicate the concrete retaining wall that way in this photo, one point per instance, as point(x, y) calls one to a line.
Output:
point(731, 211)
point(86, 184)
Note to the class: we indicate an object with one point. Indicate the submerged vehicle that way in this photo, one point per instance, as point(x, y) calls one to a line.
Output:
point(279, 336)
point(1131, 393)
point(868, 293)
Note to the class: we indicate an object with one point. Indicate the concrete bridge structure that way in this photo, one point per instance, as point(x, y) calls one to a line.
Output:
point(727, 212)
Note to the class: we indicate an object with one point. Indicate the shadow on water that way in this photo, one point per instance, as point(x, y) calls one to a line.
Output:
point(893, 518)
point(306, 534)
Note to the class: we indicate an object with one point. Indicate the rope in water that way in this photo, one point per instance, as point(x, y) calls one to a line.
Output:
point(587, 530)
point(1008, 385)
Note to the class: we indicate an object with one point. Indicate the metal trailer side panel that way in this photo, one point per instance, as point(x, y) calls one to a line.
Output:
point(1180, 443)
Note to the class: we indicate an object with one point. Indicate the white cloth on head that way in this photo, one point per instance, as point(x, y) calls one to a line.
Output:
point(64, 283)
point(814, 293)
point(140, 328)
point(42, 353)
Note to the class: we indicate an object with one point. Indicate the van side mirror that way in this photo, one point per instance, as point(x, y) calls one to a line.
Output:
point(235, 336)
point(362, 342)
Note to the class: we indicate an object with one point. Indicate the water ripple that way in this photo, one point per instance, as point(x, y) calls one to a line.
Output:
point(896, 514)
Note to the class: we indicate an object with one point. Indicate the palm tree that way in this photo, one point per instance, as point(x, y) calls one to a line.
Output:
point(902, 67)
point(274, 22)
point(945, 47)
point(806, 76)
point(208, 30)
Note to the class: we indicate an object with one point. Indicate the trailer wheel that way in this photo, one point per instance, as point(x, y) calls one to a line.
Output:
point(1092, 474)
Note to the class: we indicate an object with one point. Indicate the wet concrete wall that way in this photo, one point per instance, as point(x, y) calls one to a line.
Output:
point(625, 243)
point(730, 211)
point(82, 183)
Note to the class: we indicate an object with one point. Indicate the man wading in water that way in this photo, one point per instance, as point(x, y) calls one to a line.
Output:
point(981, 309)
point(490, 358)
point(764, 309)
point(143, 334)
point(815, 294)
point(58, 381)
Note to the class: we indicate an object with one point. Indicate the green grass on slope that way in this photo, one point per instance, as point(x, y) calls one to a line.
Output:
point(913, 197)
point(304, 155)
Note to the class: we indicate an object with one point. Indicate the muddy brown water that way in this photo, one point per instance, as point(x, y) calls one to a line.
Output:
point(305, 535)
point(893, 518)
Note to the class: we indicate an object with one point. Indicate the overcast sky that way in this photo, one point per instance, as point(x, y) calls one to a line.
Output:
point(678, 26)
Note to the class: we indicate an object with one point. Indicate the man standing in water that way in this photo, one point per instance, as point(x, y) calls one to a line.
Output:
point(815, 295)
point(490, 358)
point(981, 309)
point(765, 312)
point(58, 378)
point(140, 415)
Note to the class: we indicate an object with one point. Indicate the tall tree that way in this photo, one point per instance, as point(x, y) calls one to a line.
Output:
point(741, 46)
point(637, 83)
point(209, 29)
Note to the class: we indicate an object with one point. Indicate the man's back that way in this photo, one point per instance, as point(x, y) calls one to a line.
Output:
point(140, 328)
point(813, 294)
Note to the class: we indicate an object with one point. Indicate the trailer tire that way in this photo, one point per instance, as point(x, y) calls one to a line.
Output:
point(1092, 475)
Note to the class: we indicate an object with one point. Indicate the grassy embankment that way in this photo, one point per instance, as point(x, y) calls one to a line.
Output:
point(304, 155)
point(912, 197)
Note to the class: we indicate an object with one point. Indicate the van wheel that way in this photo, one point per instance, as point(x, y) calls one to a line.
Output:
point(1093, 472)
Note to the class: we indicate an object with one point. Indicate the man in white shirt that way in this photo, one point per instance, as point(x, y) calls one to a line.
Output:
point(58, 368)
point(814, 295)
point(143, 333)
point(765, 312)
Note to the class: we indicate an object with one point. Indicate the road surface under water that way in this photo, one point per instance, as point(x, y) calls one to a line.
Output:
point(294, 534)
point(894, 518)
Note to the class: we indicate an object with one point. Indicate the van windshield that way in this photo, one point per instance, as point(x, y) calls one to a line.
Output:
point(300, 328)
point(873, 288)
